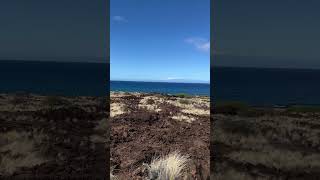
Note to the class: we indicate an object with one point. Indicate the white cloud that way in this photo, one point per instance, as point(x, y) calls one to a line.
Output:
point(173, 78)
point(119, 19)
point(199, 43)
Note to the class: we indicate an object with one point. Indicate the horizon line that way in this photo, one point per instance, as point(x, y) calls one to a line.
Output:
point(260, 67)
point(55, 61)
point(161, 81)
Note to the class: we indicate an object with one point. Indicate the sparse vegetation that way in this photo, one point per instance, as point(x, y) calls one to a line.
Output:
point(243, 127)
point(112, 176)
point(184, 101)
point(270, 144)
point(53, 101)
point(37, 143)
point(182, 95)
point(231, 108)
point(169, 167)
point(150, 101)
point(304, 109)
point(19, 98)
point(103, 102)
point(155, 124)
point(18, 149)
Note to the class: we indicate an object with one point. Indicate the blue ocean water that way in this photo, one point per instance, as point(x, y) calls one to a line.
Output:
point(265, 87)
point(255, 86)
point(161, 87)
point(54, 78)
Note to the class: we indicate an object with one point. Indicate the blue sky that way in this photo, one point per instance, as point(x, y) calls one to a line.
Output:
point(267, 33)
point(56, 30)
point(167, 40)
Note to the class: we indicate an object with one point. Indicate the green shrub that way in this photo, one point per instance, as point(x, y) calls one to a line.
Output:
point(182, 95)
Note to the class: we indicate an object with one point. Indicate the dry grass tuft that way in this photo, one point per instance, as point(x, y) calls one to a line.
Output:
point(19, 150)
point(169, 167)
point(183, 118)
point(194, 106)
point(112, 177)
point(117, 109)
point(151, 103)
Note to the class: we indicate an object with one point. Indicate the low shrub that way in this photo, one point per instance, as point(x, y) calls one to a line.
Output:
point(150, 101)
point(184, 101)
point(182, 95)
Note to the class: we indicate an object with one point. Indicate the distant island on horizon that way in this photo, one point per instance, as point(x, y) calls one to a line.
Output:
point(165, 81)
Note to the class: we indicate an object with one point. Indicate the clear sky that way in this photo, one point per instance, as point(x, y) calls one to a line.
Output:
point(267, 33)
point(53, 30)
point(160, 40)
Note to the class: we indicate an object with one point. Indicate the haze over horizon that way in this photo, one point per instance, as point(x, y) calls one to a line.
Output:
point(165, 80)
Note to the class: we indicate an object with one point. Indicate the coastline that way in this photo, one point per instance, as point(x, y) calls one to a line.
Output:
point(161, 87)
point(158, 93)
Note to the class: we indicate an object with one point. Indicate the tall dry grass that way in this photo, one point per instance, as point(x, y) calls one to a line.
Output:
point(169, 167)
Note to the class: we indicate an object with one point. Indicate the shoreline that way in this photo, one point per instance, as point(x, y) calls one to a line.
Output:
point(154, 93)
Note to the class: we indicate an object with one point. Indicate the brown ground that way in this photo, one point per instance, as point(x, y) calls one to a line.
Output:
point(265, 144)
point(52, 137)
point(144, 126)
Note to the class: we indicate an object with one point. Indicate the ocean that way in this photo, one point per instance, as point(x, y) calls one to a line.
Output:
point(255, 86)
point(265, 87)
point(54, 78)
point(161, 87)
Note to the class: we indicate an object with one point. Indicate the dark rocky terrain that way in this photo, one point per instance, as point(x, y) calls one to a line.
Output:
point(265, 143)
point(145, 126)
point(53, 137)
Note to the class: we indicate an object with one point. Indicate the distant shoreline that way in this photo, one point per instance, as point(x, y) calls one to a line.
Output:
point(154, 93)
